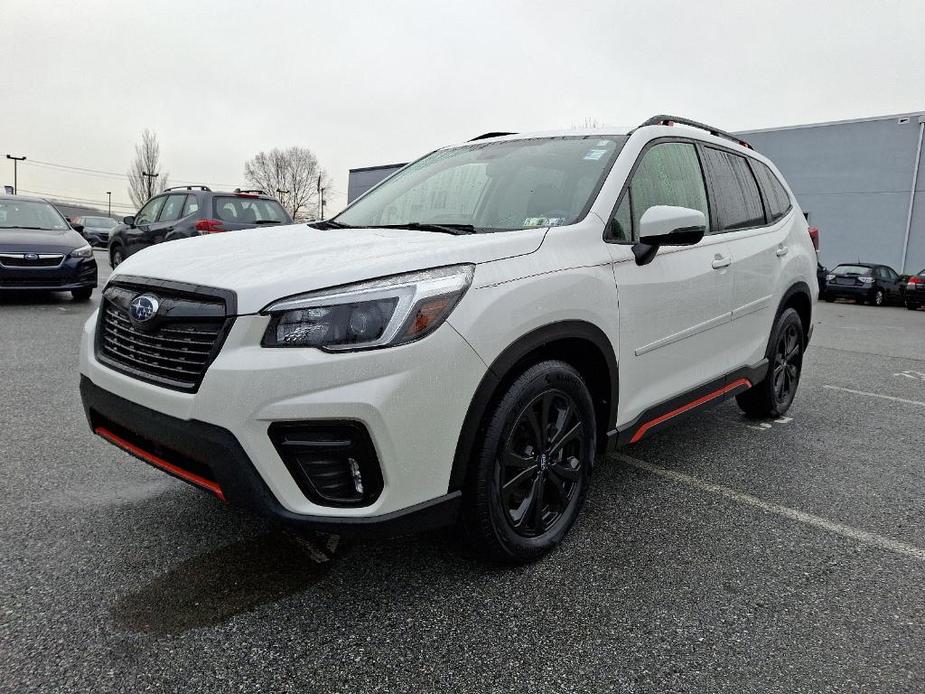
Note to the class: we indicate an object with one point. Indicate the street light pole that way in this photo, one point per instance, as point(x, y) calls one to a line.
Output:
point(16, 161)
point(109, 202)
point(322, 202)
point(149, 177)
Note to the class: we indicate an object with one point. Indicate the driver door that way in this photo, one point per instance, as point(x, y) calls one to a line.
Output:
point(138, 236)
point(675, 311)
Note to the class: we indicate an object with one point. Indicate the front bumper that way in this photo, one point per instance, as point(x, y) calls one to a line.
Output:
point(73, 273)
point(412, 400)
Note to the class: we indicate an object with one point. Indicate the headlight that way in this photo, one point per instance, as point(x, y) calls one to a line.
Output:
point(378, 313)
point(866, 280)
point(82, 252)
point(830, 277)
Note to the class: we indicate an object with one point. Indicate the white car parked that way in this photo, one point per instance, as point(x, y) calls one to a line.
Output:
point(461, 341)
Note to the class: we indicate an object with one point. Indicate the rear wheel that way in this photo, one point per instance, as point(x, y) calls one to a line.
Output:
point(774, 395)
point(877, 298)
point(533, 467)
point(911, 306)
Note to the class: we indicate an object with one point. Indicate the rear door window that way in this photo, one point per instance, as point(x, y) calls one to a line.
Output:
point(241, 210)
point(777, 199)
point(172, 208)
point(192, 205)
point(735, 196)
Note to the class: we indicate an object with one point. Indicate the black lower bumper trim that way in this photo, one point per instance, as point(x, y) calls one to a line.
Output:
point(219, 456)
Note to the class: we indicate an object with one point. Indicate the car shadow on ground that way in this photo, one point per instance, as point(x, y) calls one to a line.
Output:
point(27, 298)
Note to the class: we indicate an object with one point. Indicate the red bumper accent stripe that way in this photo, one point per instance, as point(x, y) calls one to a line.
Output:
point(158, 462)
point(640, 432)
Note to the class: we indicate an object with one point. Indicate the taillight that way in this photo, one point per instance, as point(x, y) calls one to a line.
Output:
point(814, 236)
point(209, 226)
point(915, 279)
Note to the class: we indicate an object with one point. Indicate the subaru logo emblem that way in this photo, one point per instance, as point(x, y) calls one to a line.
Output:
point(143, 308)
point(31, 256)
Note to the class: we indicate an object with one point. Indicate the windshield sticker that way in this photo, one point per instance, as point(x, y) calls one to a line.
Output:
point(530, 222)
point(595, 154)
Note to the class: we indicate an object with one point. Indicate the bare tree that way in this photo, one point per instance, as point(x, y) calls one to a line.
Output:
point(292, 174)
point(145, 178)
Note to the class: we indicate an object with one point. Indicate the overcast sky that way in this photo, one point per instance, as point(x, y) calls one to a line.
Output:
point(365, 83)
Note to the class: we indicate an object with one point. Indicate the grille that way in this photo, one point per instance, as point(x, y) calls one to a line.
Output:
point(177, 348)
point(323, 458)
point(40, 260)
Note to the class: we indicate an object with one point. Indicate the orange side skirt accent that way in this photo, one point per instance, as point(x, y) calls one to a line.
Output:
point(690, 406)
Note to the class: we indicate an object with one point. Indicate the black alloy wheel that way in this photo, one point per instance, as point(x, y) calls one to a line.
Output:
point(531, 466)
point(540, 466)
point(773, 396)
point(788, 360)
point(116, 257)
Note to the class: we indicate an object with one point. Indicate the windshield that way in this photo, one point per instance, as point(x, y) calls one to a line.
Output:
point(30, 214)
point(100, 222)
point(852, 270)
point(493, 186)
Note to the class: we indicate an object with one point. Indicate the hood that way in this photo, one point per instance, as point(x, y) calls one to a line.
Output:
point(262, 265)
point(40, 241)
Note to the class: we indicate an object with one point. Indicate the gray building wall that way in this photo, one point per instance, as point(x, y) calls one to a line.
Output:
point(854, 179)
point(361, 180)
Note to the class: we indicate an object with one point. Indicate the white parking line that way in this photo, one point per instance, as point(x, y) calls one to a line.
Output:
point(861, 536)
point(876, 395)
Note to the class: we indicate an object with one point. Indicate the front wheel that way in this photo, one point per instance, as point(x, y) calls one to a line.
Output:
point(774, 395)
point(533, 466)
point(116, 256)
point(82, 294)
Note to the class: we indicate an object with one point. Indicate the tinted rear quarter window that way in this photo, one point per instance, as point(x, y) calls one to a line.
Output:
point(736, 200)
point(775, 195)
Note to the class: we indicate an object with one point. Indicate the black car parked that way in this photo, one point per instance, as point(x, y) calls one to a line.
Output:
point(39, 251)
point(915, 291)
point(186, 211)
point(864, 282)
point(95, 229)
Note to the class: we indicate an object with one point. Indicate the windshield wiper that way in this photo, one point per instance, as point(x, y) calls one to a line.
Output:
point(329, 224)
point(268, 221)
point(457, 229)
point(17, 226)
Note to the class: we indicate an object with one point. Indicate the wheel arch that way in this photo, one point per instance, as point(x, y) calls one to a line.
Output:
point(579, 343)
point(799, 298)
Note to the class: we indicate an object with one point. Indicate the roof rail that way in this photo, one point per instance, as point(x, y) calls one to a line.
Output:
point(671, 120)
point(188, 188)
point(485, 136)
point(255, 191)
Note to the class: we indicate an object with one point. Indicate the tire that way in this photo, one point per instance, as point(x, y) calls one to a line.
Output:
point(772, 397)
point(116, 256)
point(82, 294)
point(912, 307)
point(528, 480)
point(877, 298)
point(829, 298)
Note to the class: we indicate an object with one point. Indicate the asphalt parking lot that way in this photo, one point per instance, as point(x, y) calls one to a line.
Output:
point(721, 555)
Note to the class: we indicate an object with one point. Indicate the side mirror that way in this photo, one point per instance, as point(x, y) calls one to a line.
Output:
point(667, 225)
point(129, 221)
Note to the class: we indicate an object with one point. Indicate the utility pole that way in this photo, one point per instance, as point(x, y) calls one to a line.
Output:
point(280, 192)
point(109, 202)
point(16, 161)
point(149, 177)
point(320, 203)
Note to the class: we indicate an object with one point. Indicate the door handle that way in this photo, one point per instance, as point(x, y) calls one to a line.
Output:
point(782, 251)
point(720, 261)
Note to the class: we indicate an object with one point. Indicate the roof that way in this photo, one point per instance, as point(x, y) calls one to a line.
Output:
point(26, 198)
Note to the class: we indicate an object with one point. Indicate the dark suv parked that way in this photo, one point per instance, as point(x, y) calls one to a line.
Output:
point(186, 211)
point(864, 282)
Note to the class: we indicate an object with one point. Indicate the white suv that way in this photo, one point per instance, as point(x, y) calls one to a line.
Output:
point(461, 341)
